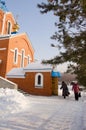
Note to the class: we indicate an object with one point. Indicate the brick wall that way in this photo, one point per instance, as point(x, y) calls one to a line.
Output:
point(28, 84)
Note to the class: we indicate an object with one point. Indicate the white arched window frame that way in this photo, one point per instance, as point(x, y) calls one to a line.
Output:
point(22, 57)
point(9, 27)
point(39, 80)
point(15, 55)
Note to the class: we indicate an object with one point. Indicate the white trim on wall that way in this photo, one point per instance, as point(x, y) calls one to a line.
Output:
point(3, 24)
point(2, 49)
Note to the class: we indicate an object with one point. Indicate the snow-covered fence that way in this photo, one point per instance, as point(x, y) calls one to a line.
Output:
point(4, 83)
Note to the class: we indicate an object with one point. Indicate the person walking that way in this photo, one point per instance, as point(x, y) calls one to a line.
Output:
point(65, 91)
point(76, 89)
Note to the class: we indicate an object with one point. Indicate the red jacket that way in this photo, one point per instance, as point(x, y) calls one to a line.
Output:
point(75, 88)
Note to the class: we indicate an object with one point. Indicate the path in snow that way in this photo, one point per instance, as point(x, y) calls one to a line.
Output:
point(48, 113)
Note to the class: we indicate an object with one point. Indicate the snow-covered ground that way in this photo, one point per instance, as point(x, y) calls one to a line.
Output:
point(29, 112)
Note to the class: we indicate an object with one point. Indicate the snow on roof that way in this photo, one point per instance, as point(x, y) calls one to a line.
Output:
point(32, 67)
point(35, 66)
point(16, 73)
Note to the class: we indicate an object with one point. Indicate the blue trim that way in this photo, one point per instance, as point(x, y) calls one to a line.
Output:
point(13, 32)
point(55, 74)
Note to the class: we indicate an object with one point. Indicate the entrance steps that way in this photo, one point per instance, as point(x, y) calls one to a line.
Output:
point(4, 83)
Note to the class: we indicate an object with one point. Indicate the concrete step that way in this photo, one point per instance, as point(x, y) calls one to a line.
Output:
point(4, 83)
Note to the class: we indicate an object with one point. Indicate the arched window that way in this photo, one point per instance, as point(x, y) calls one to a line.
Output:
point(22, 57)
point(9, 28)
point(39, 80)
point(15, 56)
point(28, 60)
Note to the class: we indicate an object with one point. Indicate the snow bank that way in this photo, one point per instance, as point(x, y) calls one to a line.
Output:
point(12, 101)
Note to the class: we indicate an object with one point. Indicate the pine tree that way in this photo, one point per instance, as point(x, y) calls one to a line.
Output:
point(71, 34)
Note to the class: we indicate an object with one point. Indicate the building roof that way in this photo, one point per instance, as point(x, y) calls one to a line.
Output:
point(36, 67)
point(16, 73)
point(32, 67)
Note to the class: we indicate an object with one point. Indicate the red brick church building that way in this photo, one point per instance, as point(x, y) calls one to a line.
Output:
point(17, 59)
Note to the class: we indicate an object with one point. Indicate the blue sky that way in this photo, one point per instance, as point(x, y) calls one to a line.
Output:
point(38, 27)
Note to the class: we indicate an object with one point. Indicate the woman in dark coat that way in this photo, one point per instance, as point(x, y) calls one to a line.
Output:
point(65, 91)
